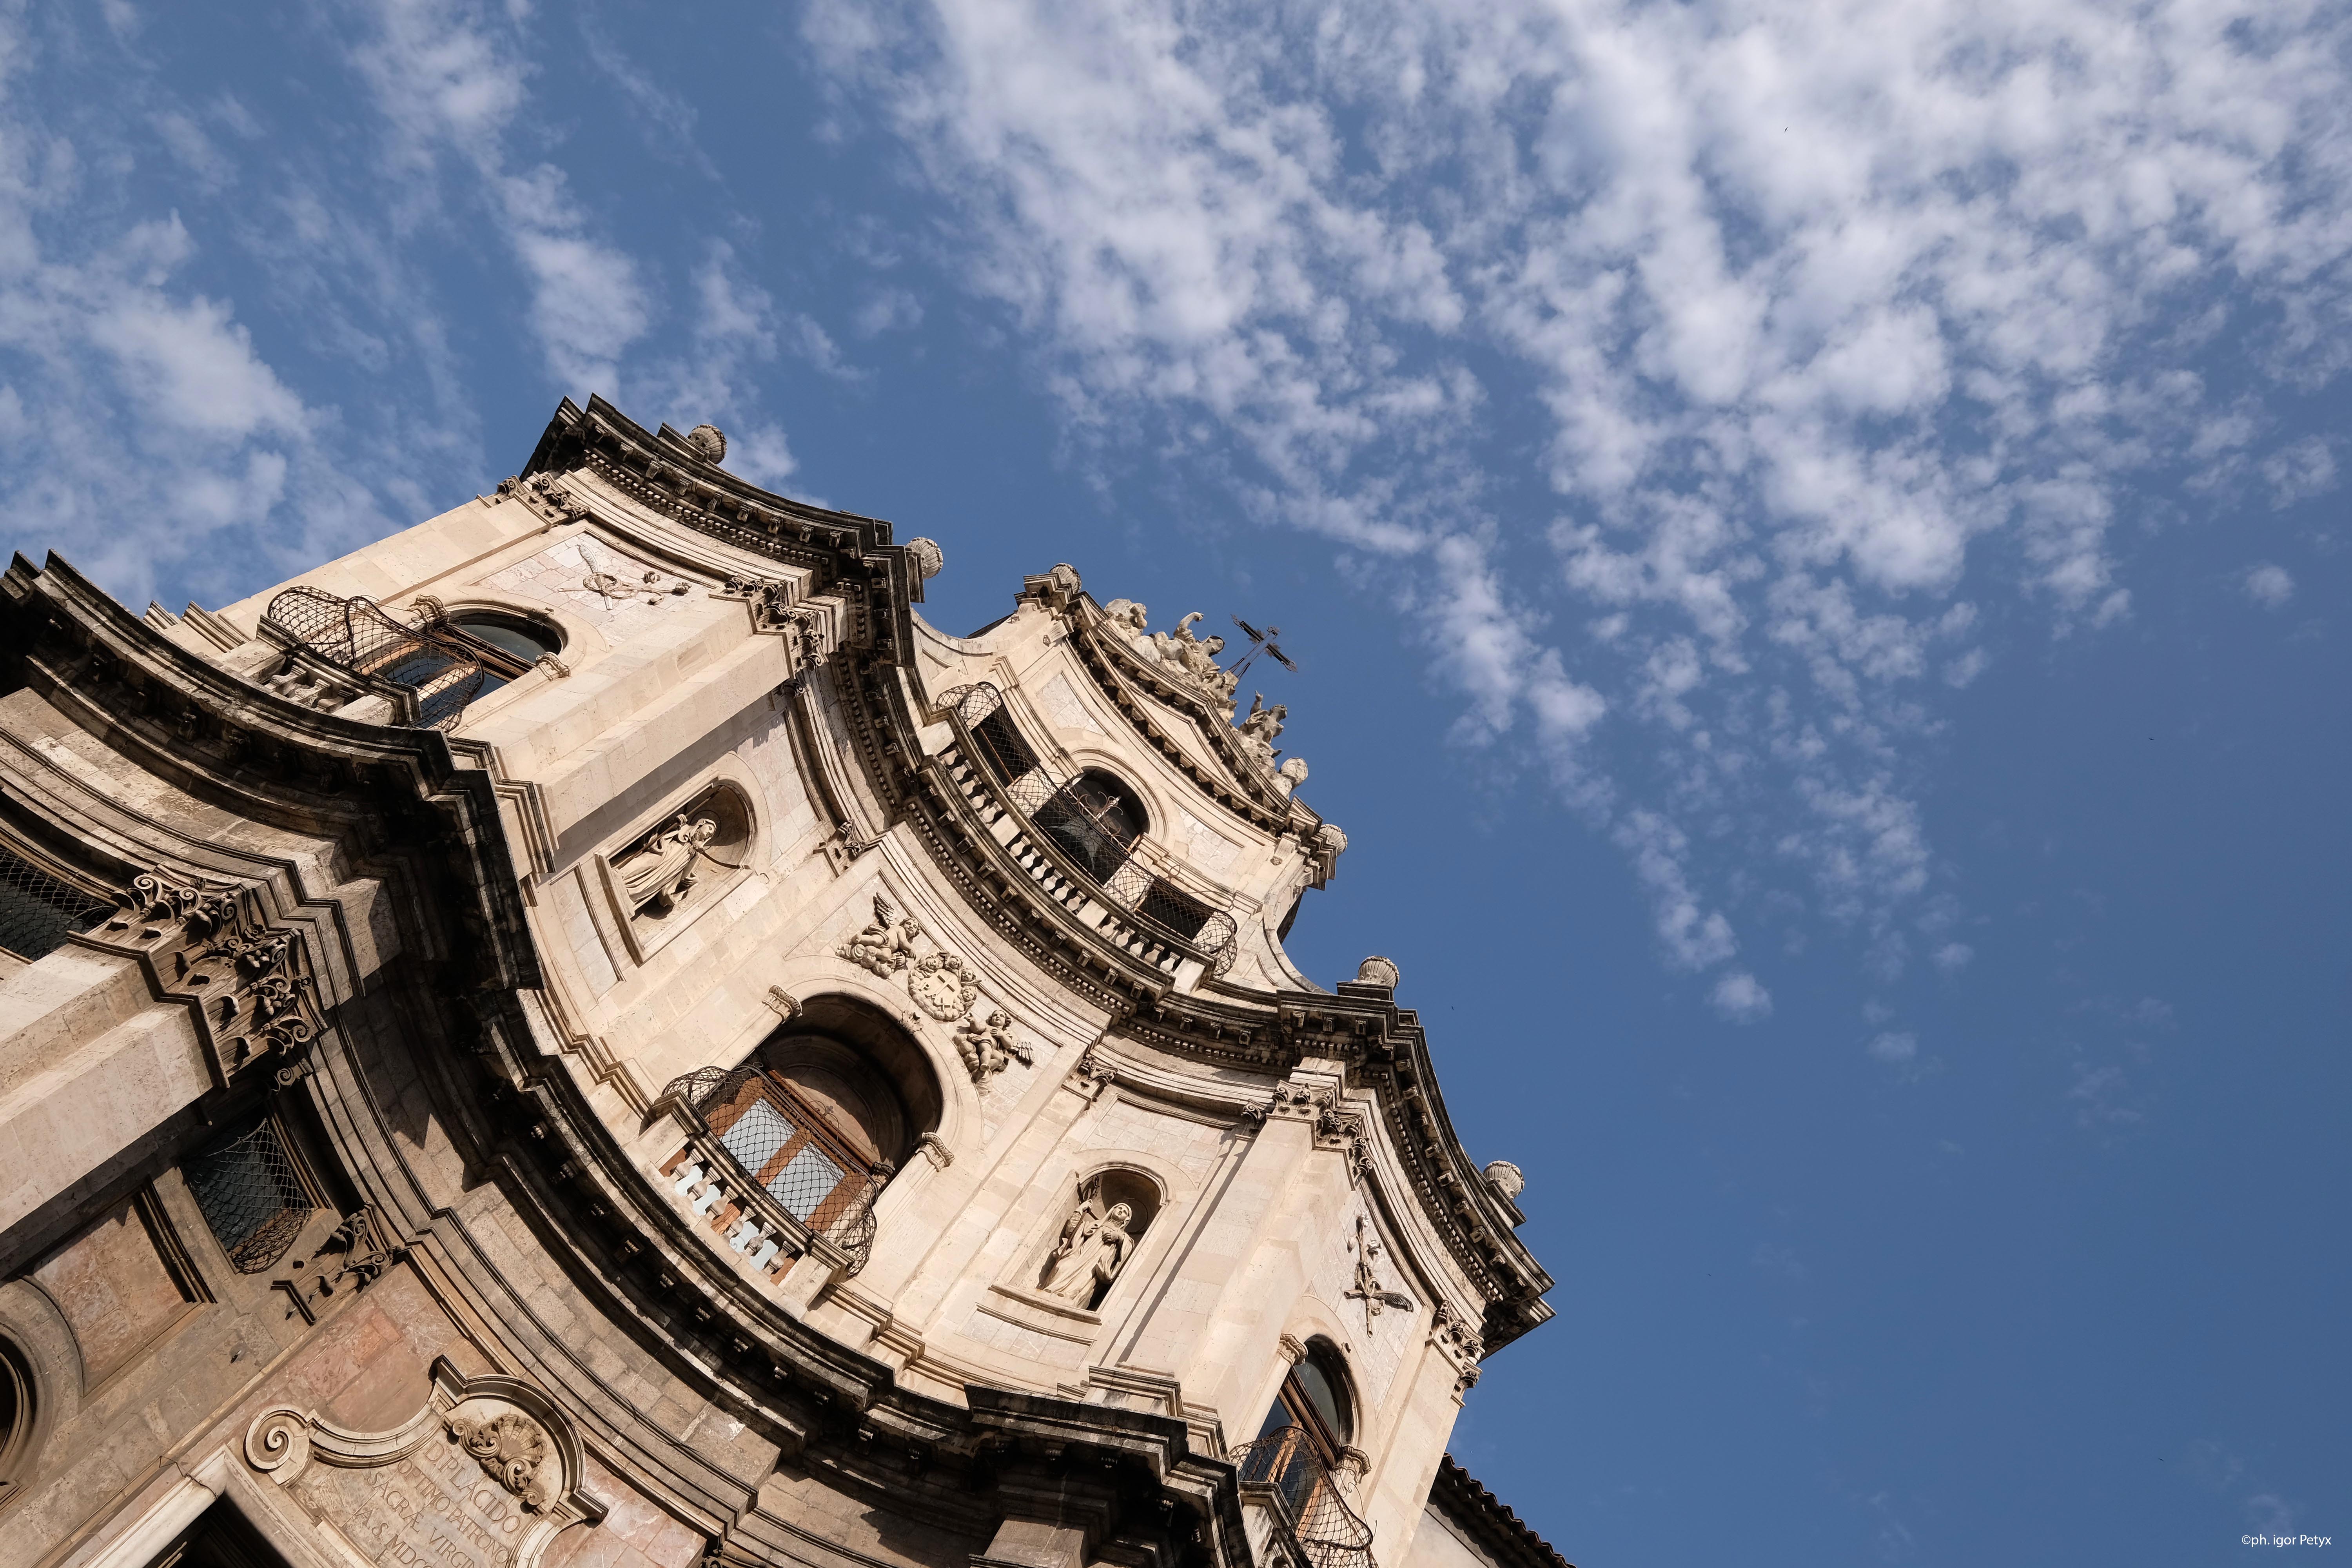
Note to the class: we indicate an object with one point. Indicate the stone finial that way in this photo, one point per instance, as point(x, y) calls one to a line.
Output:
point(928, 556)
point(1506, 1178)
point(710, 440)
point(1378, 971)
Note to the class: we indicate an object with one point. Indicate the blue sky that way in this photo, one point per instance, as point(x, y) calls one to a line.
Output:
point(1814, 534)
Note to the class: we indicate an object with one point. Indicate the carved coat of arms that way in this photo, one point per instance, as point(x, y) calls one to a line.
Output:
point(512, 1448)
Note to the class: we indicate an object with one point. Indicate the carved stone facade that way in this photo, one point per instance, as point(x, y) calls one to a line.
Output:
point(698, 1098)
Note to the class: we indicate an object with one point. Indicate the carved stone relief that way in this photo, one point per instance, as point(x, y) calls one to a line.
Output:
point(1368, 1287)
point(658, 870)
point(484, 1476)
point(941, 984)
point(1095, 1245)
point(987, 1047)
point(254, 986)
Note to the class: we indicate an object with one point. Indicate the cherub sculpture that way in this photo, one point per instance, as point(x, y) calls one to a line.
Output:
point(887, 946)
point(988, 1047)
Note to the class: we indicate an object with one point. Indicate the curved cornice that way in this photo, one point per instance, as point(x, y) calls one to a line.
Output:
point(1243, 785)
point(838, 1413)
point(1383, 1048)
point(846, 554)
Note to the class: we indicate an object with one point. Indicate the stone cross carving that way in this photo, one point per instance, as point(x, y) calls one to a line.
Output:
point(657, 871)
point(1368, 1287)
point(1094, 1248)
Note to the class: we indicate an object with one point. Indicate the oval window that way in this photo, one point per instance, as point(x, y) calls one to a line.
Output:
point(526, 640)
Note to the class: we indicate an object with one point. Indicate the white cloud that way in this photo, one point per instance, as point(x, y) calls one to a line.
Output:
point(448, 81)
point(2267, 586)
point(1896, 1048)
point(1741, 999)
point(1826, 311)
point(1954, 956)
point(2300, 471)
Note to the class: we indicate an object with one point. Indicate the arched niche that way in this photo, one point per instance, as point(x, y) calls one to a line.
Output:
point(684, 861)
point(1096, 1243)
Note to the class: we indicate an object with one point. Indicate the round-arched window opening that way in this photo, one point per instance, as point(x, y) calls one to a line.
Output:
point(1315, 1397)
point(1095, 819)
point(505, 646)
point(17, 1413)
point(1099, 1236)
point(828, 1110)
point(1298, 1446)
point(527, 640)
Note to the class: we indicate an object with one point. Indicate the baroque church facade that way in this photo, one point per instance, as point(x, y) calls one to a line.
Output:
point(588, 1033)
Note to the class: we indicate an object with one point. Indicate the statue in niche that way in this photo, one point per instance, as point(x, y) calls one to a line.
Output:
point(1094, 1248)
point(658, 872)
point(988, 1047)
point(1264, 723)
point(887, 946)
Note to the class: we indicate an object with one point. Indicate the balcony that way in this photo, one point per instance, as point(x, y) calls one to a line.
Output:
point(1285, 1479)
point(1025, 797)
point(767, 1171)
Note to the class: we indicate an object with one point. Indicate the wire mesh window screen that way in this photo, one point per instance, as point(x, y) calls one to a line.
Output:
point(1094, 824)
point(36, 910)
point(251, 1197)
point(446, 672)
point(1006, 753)
point(786, 1146)
point(1329, 1531)
point(1175, 911)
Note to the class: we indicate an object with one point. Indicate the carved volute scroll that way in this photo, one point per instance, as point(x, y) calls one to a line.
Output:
point(491, 1466)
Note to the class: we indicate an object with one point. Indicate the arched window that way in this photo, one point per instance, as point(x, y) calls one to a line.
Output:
point(1095, 819)
point(1298, 1451)
point(828, 1110)
point(17, 1413)
point(1314, 1398)
point(251, 1192)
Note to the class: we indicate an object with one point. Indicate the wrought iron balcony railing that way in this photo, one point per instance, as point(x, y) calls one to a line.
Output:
point(362, 636)
point(765, 1168)
point(1283, 1469)
point(1143, 915)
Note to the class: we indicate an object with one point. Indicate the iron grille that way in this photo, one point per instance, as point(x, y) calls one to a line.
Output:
point(1008, 756)
point(36, 910)
point(1047, 795)
point(360, 635)
point(785, 1146)
point(1330, 1533)
point(251, 1197)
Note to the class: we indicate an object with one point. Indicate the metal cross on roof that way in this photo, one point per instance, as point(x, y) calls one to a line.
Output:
point(1261, 642)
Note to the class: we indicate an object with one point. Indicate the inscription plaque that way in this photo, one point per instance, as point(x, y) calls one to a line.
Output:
point(436, 1509)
